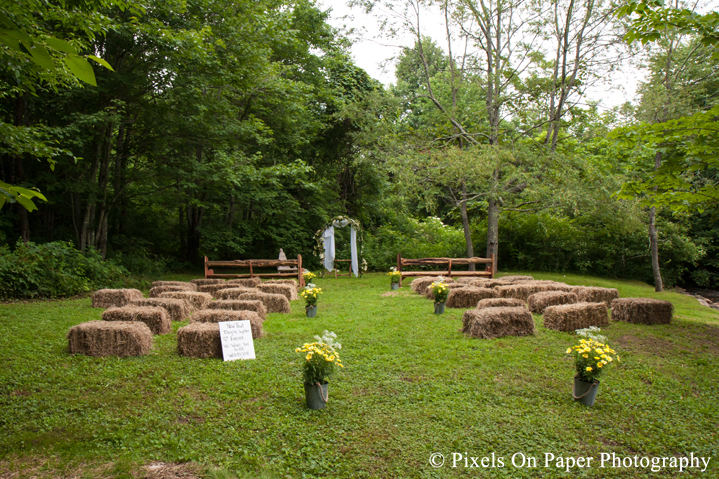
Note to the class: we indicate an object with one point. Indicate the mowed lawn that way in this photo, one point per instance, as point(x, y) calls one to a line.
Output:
point(413, 386)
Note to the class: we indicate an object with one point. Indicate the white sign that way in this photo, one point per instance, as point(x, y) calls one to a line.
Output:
point(236, 339)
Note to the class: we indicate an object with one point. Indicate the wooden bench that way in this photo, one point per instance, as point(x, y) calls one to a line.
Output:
point(447, 263)
point(252, 264)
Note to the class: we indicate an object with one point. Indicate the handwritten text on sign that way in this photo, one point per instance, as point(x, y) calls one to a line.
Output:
point(236, 338)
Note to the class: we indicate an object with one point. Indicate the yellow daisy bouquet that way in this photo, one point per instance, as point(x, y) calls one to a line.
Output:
point(394, 275)
point(591, 358)
point(440, 290)
point(308, 275)
point(310, 294)
point(321, 358)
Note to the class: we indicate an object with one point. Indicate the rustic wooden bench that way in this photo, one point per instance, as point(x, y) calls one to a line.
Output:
point(253, 264)
point(447, 263)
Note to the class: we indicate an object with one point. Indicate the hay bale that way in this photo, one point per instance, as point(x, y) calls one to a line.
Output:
point(246, 282)
point(589, 294)
point(490, 323)
point(274, 303)
point(538, 302)
point(200, 340)
point(178, 309)
point(155, 291)
point(470, 279)
point(110, 338)
point(240, 305)
point(570, 317)
point(181, 284)
point(467, 297)
point(420, 285)
point(293, 282)
point(523, 290)
point(107, 298)
point(157, 319)
point(197, 301)
point(212, 289)
point(501, 303)
point(516, 278)
point(429, 293)
point(234, 292)
point(491, 283)
point(219, 315)
point(202, 281)
point(642, 311)
point(289, 291)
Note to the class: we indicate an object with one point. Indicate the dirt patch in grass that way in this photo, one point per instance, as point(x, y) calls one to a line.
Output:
point(161, 470)
point(389, 293)
point(646, 344)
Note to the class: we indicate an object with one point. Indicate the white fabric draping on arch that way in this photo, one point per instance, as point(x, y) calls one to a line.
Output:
point(329, 241)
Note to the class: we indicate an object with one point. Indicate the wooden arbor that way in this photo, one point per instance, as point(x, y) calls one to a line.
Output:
point(252, 264)
point(447, 264)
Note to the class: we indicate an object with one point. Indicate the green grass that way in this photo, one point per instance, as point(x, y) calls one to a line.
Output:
point(412, 386)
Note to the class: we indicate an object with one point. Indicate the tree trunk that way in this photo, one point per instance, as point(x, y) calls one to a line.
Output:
point(492, 229)
point(653, 239)
point(465, 225)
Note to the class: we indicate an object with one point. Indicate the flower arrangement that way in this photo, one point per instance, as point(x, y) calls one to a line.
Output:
point(321, 357)
point(394, 275)
point(591, 356)
point(440, 290)
point(310, 294)
point(308, 275)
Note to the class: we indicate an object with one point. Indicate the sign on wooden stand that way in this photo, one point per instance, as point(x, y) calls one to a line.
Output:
point(236, 339)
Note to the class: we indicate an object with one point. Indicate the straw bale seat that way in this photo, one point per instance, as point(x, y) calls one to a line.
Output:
point(420, 285)
point(538, 302)
point(501, 303)
point(288, 290)
point(181, 284)
point(234, 292)
point(491, 283)
point(246, 282)
point(108, 298)
point(274, 303)
point(200, 340)
point(220, 315)
point(516, 278)
point(467, 297)
point(178, 309)
point(155, 291)
point(110, 338)
point(570, 317)
point(488, 323)
point(202, 281)
point(240, 305)
point(590, 294)
point(292, 282)
point(642, 311)
point(213, 289)
point(197, 301)
point(523, 290)
point(156, 318)
point(429, 292)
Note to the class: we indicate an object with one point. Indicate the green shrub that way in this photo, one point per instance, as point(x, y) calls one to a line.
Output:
point(54, 270)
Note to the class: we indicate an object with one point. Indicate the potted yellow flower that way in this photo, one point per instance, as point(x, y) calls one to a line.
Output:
point(308, 275)
point(592, 357)
point(441, 291)
point(394, 277)
point(310, 294)
point(321, 357)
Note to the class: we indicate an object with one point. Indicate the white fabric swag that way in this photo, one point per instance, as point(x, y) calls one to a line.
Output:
point(329, 240)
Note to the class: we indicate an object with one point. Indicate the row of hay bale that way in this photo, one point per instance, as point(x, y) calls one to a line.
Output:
point(130, 320)
point(503, 306)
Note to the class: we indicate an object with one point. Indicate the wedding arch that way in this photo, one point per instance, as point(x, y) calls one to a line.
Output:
point(325, 244)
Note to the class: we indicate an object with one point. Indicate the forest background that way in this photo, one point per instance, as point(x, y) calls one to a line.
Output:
point(138, 138)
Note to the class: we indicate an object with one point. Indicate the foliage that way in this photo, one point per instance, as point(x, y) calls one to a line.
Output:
point(440, 290)
point(591, 358)
point(310, 294)
point(53, 270)
point(321, 357)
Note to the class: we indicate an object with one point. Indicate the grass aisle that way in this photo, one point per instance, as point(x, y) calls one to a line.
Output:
point(412, 386)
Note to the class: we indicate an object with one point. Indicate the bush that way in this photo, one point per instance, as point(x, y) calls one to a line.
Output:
point(54, 270)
